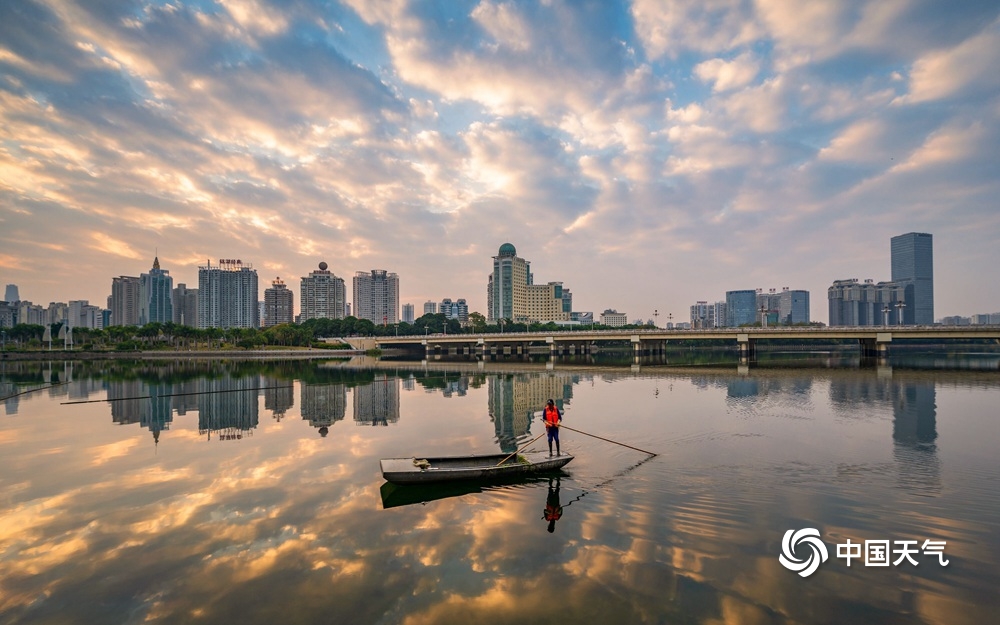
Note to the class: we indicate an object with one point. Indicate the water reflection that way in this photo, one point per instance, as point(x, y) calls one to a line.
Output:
point(515, 398)
point(914, 432)
point(553, 509)
point(912, 401)
point(279, 396)
point(133, 401)
point(323, 405)
point(377, 403)
point(96, 528)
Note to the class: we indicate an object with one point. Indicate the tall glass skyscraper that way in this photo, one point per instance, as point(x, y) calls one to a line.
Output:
point(155, 292)
point(741, 307)
point(913, 265)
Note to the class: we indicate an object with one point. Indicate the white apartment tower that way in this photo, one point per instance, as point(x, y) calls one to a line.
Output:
point(227, 295)
point(322, 295)
point(376, 296)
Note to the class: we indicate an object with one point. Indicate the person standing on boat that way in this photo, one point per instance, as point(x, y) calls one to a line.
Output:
point(553, 417)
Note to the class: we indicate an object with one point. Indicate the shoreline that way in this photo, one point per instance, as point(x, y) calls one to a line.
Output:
point(251, 354)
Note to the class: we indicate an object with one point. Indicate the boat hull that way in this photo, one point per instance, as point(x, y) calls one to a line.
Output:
point(462, 468)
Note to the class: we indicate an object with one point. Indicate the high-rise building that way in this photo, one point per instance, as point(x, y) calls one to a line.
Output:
point(407, 313)
point(30, 313)
point(770, 302)
point(721, 314)
point(227, 295)
point(8, 315)
point(913, 265)
point(125, 300)
point(279, 304)
point(853, 303)
point(57, 312)
point(457, 309)
point(376, 296)
point(703, 315)
point(613, 318)
point(793, 306)
point(430, 308)
point(786, 306)
point(322, 295)
point(185, 306)
point(155, 294)
point(547, 302)
point(82, 315)
point(11, 294)
point(511, 292)
point(741, 307)
point(506, 291)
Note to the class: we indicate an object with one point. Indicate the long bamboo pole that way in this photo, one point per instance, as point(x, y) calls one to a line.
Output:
point(607, 439)
point(32, 390)
point(521, 449)
point(228, 390)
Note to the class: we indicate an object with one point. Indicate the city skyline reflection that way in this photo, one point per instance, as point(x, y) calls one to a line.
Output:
point(134, 509)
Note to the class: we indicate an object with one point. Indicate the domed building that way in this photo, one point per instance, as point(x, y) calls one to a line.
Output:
point(512, 294)
point(322, 295)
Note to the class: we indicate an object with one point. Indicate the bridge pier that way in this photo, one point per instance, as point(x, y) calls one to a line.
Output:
point(747, 347)
point(867, 346)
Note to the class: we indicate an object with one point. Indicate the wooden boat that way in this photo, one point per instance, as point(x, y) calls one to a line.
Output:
point(483, 468)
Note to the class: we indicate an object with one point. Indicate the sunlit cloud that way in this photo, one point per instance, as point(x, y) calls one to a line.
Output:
point(359, 132)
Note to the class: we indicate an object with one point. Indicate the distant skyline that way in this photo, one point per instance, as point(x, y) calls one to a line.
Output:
point(647, 154)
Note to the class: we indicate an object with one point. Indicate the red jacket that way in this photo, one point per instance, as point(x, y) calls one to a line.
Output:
point(552, 416)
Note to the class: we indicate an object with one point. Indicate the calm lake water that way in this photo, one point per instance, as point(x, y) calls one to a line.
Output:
point(251, 493)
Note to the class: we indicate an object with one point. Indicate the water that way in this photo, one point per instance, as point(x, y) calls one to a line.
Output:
point(265, 504)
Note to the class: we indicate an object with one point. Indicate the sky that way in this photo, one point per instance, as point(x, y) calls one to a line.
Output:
point(647, 154)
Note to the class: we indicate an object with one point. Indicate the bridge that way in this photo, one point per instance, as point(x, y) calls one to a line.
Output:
point(873, 341)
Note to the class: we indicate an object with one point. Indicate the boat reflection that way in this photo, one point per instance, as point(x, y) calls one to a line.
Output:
point(395, 495)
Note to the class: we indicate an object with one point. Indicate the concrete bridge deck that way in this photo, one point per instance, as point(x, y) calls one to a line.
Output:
point(873, 340)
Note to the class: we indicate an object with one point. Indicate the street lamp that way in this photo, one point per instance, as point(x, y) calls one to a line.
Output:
point(670, 320)
point(502, 321)
point(899, 307)
point(763, 318)
point(885, 314)
point(656, 316)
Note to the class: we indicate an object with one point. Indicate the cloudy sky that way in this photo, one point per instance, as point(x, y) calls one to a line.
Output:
point(648, 154)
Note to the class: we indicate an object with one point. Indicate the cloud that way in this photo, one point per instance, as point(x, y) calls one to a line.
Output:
point(702, 26)
point(594, 135)
point(504, 24)
point(968, 68)
point(110, 245)
point(727, 75)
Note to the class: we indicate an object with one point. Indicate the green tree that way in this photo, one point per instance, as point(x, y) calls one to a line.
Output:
point(477, 322)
